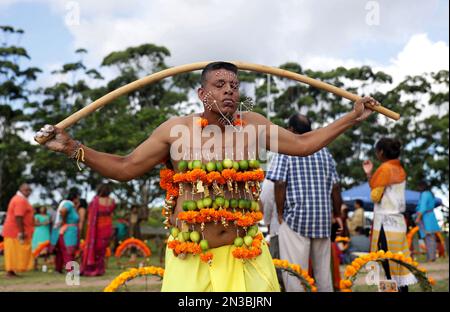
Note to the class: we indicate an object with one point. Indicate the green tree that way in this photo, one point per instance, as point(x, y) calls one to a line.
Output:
point(15, 78)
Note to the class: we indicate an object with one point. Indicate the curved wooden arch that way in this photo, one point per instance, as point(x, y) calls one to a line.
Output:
point(85, 111)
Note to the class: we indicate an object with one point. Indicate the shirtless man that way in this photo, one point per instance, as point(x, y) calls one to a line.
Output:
point(219, 92)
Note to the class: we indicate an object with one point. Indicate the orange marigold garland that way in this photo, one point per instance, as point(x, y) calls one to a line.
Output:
point(352, 270)
point(133, 242)
point(131, 274)
point(249, 252)
point(213, 215)
point(181, 249)
point(307, 281)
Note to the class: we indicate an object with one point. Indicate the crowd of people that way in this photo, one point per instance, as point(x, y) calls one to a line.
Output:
point(26, 228)
point(305, 214)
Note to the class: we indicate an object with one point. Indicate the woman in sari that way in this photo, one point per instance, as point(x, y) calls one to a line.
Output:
point(387, 186)
point(99, 232)
point(64, 236)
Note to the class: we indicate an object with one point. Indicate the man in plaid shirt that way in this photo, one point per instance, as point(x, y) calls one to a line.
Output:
point(306, 191)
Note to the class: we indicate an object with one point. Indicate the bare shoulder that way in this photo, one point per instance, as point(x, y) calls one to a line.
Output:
point(165, 127)
point(176, 120)
point(255, 118)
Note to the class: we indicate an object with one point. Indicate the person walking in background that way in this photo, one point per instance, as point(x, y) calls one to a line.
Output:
point(357, 219)
point(82, 211)
point(269, 208)
point(387, 186)
point(17, 233)
point(135, 222)
point(99, 232)
point(306, 193)
point(41, 232)
point(64, 235)
point(426, 219)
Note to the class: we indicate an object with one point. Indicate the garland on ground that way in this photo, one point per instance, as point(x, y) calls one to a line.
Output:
point(132, 242)
point(294, 269)
point(125, 277)
point(352, 270)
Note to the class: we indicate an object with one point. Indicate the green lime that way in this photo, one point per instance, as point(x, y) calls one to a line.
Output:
point(238, 241)
point(196, 164)
point(180, 237)
point(203, 167)
point(219, 166)
point(254, 227)
point(242, 203)
point(195, 236)
point(200, 204)
point(253, 163)
point(236, 165)
point(207, 202)
point(185, 205)
point(174, 232)
point(215, 206)
point(252, 232)
point(243, 165)
point(186, 235)
point(227, 203)
point(182, 165)
point(234, 203)
point(204, 245)
point(219, 201)
point(191, 205)
point(248, 240)
point(211, 166)
point(227, 163)
point(255, 206)
point(190, 165)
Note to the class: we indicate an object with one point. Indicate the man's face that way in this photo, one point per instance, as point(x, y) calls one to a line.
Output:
point(220, 92)
point(25, 190)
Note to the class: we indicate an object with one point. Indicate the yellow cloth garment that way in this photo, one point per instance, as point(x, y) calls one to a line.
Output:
point(225, 274)
point(18, 257)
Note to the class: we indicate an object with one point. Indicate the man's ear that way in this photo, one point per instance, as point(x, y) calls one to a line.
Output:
point(201, 93)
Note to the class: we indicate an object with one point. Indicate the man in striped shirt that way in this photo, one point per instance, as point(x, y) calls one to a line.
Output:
point(306, 192)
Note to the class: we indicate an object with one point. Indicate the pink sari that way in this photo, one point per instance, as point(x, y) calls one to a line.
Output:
point(98, 235)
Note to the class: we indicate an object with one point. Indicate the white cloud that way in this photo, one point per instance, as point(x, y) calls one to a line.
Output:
point(420, 55)
point(260, 31)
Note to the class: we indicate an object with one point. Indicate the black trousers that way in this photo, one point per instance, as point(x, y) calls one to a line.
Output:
point(382, 245)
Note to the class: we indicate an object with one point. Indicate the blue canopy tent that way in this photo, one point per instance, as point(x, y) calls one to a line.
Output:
point(362, 192)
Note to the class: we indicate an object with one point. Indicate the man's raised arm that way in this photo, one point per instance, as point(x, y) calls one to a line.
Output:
point(121, 168)
point(308, 143)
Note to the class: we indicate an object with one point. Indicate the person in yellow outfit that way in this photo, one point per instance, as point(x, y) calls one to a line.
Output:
point(388, 184)
point(200, 138)
point(18, 232)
